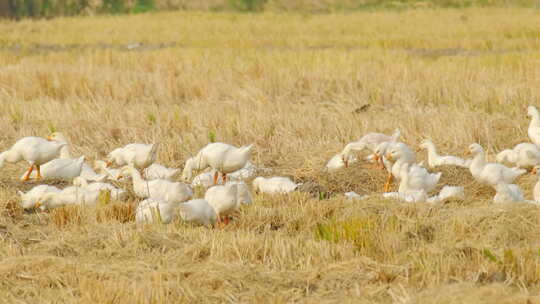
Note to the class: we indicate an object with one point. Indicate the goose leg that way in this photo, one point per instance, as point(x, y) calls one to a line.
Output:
point(388, 182)
point(38, 172)
point(226, 220)
point(224, 177)
point(222, 221)
point(27, 175)
point(216, 175)
point(381, 164)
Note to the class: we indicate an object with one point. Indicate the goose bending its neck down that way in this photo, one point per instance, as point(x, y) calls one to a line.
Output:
point(137, 155)
point(224, 200)
point(221, 157)
point(524, 155)
point(490, 173)
point(175, 192)
point(35, 150)
point(369, 141)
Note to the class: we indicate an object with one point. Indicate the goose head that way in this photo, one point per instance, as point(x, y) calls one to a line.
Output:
point(57, 136)
point(475, 149)
point(45, 200)
point(114, 157)
point(396, 152)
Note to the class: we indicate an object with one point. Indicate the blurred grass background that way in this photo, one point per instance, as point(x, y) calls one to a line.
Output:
point(50, 8)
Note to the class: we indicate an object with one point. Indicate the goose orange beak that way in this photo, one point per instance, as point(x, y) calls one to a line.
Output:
point(49, 138)
point(467, 152)
point(389, 157)
point(108, 163)
point(38, 204)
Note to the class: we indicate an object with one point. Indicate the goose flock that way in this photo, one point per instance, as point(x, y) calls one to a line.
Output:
point(416, 182)
point(225, 171)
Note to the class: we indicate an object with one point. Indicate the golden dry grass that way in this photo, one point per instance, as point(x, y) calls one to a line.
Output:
point(297, 87)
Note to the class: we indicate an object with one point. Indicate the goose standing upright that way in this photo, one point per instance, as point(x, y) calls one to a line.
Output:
point(434, 159)
point(401, 154)
point(221, 157)
point(35, 150)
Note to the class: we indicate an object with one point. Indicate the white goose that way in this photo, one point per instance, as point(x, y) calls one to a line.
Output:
point(221, 157)
point(524, 155)
point(490, 173)
point(534, 126)
point(198, 211)
point(137, 155)
point(65, 157)
point(446, 193)
point(224, 200)
point(35, 150)
point(420, 196)
point(415, 178)
point(60, 168)
point(336, 162)
point(157, 171)
point(117, 194)
point(369, 141)
point(175, 192)
point(274, 185)
point(157, 210)
point(30, 198)
point(434, 159)
point(508, 193)
point(68, 196)
point(401, 154)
